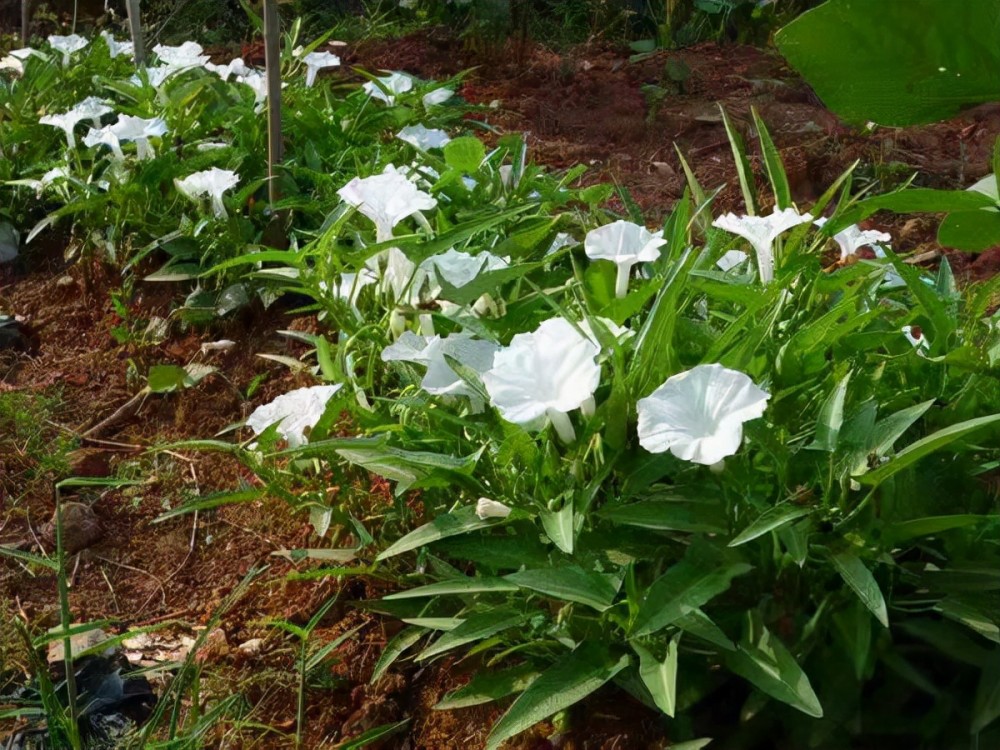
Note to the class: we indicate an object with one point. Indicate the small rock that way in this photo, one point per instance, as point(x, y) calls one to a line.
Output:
point(252, 647)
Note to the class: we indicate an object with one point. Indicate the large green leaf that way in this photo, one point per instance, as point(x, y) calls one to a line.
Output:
point(915, 451)
point(668, 515)
point(768, 665)
point(460, 521)
point(569, 680)
point(770, 520)
point(474, 628)
point(457, 586)
point(570, 583)
point(863, 583)
point(703, 574)
point(972, 231)
point(897, 62)
point(660, 677)
point(490, 686)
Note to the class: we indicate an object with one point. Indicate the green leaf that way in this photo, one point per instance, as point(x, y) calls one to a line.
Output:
point(394, 649)
point(667, 515)
point(915, 451)
point(372, 735)
point(768, 665)
point(575, 676)
point(831, 418)
point(972, 231)
point(986, 705)
point(702, 575)
point(559, 527)
point(912, 200)
point(772, 162)
point(743, 171)
point(853, 625)
point(474, 628)
point(168, 378)
point(697, 623)
point(770, 520)
point(570, 583)
point(490, 686)
point(409, 468)
point(460, 521)
point(660, 678)
point(918, 527)
point(863, 583)
point(464, 154)
point(479, 585)
point(865, 62)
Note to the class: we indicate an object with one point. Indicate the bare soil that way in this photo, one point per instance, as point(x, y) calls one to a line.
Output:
point(582, 106)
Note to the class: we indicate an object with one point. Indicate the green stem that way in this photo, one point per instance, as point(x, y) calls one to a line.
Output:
point(66, 620)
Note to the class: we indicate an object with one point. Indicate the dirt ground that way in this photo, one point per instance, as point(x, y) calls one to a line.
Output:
point(583, 106)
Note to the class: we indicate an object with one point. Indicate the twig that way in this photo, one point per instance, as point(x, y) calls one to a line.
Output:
point(163, 591)
point(123, 412)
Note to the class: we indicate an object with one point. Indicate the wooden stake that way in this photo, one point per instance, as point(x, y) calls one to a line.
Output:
point(135, 27)
point(25, 21)
point(272, 59)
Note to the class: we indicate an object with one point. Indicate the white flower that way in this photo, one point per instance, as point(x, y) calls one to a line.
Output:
point(155, 76)
point(211, 182)
point(761, 232)
point(422, 137)
point(117, 48)
point(187, 55)
point(295, 412)
point(437, 96)
point(67, 45)
point(853, 238)
point(544, 374)
point(235, 67)
point(104, 135)
point(90, 108)
point(698, 415)
point(624, 244)
point(459, 269)
point(916, 338)
point(258, 83)
point(440, 379)
point(731, 259)
point(486, 508)
point(561, 240)
point(395, 84)
point(139, 130)
point(315, 62)
point(386, 199)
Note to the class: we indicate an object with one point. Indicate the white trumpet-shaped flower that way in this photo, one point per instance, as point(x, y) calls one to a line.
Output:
point(698, 414)
point(459, 269)
point(440, 379)
point(544, 375)
point(437, 96)
point(761, 232)
point(187, 55)
point(90, 108)
point(16, 58)
point(99, 136)
point(212, 183)
point(317, 61)
point(394, 83)
point(295, 412)
point(853, 238)
point(624, 244)
point(386, 199)
point(234, 68)
point(139, 130)
point(67, 45)
point(117, 48)
point(486, 508)
point(423, 137)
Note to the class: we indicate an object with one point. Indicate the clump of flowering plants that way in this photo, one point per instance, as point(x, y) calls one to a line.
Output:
point(740, 493)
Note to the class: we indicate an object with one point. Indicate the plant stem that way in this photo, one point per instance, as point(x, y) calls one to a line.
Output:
point(135, 28)
point(272, 60)
point(66, 620)
point(563, 427)
point(621, 282)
